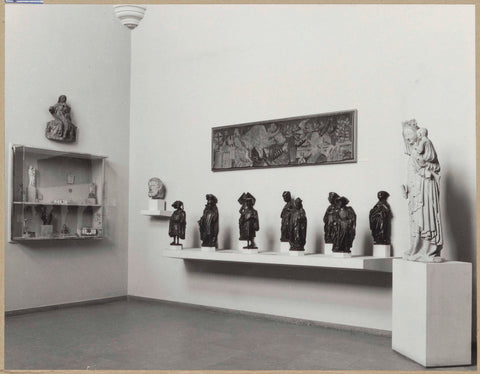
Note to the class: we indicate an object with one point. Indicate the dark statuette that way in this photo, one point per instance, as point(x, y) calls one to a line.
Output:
point(285, 216)
point(61, 127)
point(380, 216)
point(344, 222)
point(208, 223)
point(46, 218)
point(329, 216)
point(248, 222)
point(298, 227)
point(178, 222)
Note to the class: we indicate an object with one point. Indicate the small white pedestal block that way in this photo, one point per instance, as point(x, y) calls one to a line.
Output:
point(249, 251)
point(341, 254)
point(284, 247)
point(328, 249)
point(157, 204)
point(381, 250)
point(208, 249)
point(432, 312)
point(176, 247)
point(296, 253)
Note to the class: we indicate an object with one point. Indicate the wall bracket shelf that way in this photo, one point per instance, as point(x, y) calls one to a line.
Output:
point(312, 260)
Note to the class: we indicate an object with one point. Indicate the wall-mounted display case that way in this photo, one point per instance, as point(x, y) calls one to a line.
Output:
point(55, 195)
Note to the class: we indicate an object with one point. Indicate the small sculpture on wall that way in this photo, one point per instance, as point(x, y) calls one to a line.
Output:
point(328, 218)
point(344, 221)
point(208, 223)
point(156, 189)
point(298, 227)
point(285, 216)
point(178, 222)
point(423, 194)
point(380, 217)
point(248, 222)
point(92, 194)
point(61, 127)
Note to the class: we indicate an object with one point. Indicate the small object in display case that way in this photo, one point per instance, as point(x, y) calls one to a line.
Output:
point(92, 195)
point(248, 222)
point(208, 224)
point(177, 225)
point(88, 231)
point(344, 225)
point(53, 207)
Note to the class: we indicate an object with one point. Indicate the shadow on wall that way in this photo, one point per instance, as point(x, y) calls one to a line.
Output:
point(260, 272)
point(458, 211)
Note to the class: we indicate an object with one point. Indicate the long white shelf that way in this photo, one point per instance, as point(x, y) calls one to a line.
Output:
point(270, 257)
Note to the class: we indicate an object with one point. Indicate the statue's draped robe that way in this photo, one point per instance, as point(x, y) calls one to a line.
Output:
point(248, 223)
point(328, 221)
point(424, 203)
point(209, 226)
point(298, 232)
point(379, 217)
point(286, 216)
point(344, 229)
point(177, 224)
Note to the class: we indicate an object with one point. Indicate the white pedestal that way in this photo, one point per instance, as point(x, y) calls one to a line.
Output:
point(341, 254)
point(284, 247)
point(296, 253)
point(249, 251)
point(432, 312)
point(208, 249)
point(381, 250)
point(176, 247)
point(157, 204)
point(328, 249)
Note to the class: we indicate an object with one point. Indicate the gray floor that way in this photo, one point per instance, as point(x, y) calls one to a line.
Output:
point(137, 334)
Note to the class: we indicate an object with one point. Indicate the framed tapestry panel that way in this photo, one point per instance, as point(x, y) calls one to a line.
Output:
point(320, 139)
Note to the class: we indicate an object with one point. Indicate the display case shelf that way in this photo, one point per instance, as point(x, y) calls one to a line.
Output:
point(66, 237)
point(278, 258)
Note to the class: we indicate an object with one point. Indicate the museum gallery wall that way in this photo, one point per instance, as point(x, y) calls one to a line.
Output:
point(188, 78)
point(96, 84)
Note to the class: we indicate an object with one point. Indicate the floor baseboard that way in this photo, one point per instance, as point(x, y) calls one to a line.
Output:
point(66, 305)
point(296, 321)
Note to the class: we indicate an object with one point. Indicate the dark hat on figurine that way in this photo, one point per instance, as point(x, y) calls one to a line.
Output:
point(343, 199)
point(211, 197)
point(177, 204)
point(245, 197)
point(286, 193)
point(383, 194)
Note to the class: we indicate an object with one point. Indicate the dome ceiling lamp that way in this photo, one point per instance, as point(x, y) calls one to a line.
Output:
point(129, 15)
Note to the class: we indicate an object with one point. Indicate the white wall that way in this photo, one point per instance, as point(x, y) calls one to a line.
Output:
point(195, 67)
point(83, 52)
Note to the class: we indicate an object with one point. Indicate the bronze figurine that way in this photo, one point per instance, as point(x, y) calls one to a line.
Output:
point(329, 216)
point(208, 223)
point(248, 222)
point(298, 227)
point(285, 216)
point(380, 216)
point(344, 222)
point(178, 222)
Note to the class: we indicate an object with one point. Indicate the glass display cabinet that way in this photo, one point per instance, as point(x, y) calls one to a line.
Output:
point(55, 195)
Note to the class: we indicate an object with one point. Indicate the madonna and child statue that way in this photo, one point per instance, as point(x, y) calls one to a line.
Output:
point(423, 195)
